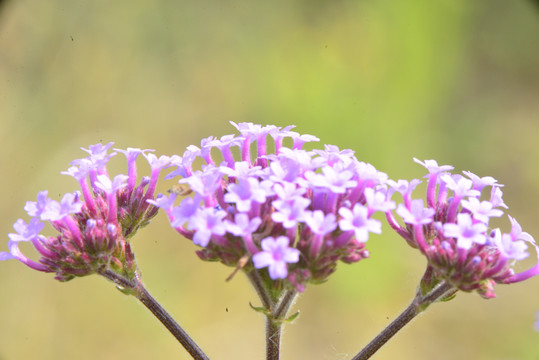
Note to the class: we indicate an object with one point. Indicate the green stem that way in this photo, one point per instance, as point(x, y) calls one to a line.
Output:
point(418, 305)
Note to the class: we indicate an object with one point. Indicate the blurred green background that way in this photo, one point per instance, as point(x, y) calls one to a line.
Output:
point(455, 80)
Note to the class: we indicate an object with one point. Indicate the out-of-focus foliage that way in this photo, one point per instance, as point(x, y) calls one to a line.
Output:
point(457, 81)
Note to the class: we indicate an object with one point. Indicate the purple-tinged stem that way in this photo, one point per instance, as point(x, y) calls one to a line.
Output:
point(175, 329)
point(273, 339)
point(261, 291)
point(274, 325)
point(284, 304)
point(418, 305)
point(275, 313)
point(137, 289)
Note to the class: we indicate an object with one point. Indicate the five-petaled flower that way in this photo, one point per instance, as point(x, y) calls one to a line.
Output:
point(275, 255)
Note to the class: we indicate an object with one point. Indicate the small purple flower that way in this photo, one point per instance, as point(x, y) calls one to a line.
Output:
point(481, 210)
point(357, 220)
point(205, 223)
point(164, 202)
point(320, 223)
point(183, 164)
point(242, 225)
point(70, 204)
point(204, 182)
point(460, 186)
point(509, 247)
point(416, 214)
point(35, 209)
point(185, 211)
point(244, 228)
point(290, 212)
point(433, 167)
point(275, 255)
point(98, 156)
point(288, 191)
point(111, 186)
point(480, 182)
point(241, 170)
point(496, 197)
point(466, 231)
point(335, 181)
point(377, 201)
point(244, 193)
point(284, 170)
point(26, 232)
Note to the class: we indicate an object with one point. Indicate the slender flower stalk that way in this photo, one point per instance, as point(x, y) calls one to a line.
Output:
point(95, 228)
point(453, 233)
point(136, 288)
point(419, 304)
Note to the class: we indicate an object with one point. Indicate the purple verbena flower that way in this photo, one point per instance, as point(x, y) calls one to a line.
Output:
point(416, 214)
point(480, 182)
point(205, 223)
point(357, 220)
point(244, 193)
point(290, 193)
point(288, 213)
point(466, 231)
point(481, 210)
point(275, 255)
point(452, 231)
point(92, 226)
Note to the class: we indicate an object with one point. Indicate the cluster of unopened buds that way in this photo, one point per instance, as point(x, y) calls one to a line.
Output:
point(260, 203)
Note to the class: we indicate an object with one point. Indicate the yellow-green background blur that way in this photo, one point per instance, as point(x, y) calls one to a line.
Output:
point(451, 80)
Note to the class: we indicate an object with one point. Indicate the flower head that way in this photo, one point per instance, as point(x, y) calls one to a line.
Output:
point(295, 212)
point(452, 231)
point(93, 226)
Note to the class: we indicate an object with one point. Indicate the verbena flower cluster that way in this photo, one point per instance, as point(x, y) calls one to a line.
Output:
point(292, 211)
point(452, 229)
point(285, 215)
point(93, 225)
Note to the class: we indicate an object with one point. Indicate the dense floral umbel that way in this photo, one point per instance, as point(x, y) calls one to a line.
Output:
point(93, 228)
point(293, 211)
point(453, 232)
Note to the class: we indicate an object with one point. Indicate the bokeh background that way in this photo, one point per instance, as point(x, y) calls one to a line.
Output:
point(451, 80)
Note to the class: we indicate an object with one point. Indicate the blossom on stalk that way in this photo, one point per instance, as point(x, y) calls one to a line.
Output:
point(290, 214)
point(452, 230)
point(93, 226)
point(275, 255)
